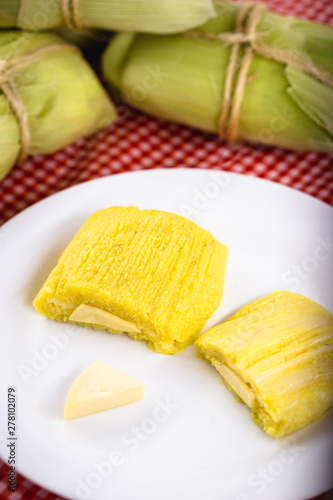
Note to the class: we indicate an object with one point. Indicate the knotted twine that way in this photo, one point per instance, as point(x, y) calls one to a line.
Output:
point(248, 18)
point(70, 12)
point(8, 87)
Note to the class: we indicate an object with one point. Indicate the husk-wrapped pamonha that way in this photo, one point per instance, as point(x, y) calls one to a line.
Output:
point(248, 75)
point(154, 275)
point(276, 355)
point(152, 16)
point(49, 96)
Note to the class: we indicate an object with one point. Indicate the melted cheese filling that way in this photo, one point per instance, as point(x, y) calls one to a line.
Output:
point(93, 315)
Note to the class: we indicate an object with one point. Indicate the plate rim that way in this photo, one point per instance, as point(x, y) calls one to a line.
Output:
point(251, 178)
point(83, 185)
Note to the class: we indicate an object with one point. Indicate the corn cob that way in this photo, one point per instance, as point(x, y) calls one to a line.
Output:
point(276, 355)
point(155, 275)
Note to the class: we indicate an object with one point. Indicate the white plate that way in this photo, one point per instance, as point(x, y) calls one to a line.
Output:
point(188, 438)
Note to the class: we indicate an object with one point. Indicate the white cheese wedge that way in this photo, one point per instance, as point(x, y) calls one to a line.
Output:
point(93, 315)
point(100, 387)
point(241, 388)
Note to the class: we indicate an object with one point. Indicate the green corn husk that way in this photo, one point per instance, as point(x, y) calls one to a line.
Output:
point(182, 78)
point(62, 97)
point(151, 16)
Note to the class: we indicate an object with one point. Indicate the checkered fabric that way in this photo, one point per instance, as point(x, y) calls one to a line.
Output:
point(139, 142)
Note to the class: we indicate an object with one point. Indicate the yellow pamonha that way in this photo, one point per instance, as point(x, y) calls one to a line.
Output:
point(155, 275)
point(276, 355)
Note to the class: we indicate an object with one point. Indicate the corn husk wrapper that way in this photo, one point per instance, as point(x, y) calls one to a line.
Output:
point(151, 16)
point(182, 78)
point(61, 95)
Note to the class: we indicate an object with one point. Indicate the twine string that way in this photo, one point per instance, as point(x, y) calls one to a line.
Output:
point(7, 86)
point(231, 69)
point(20, 14)
point(70, 13)
point(254, 17)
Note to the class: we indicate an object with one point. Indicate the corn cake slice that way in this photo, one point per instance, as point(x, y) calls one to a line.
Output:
point(276, 355)
point(155, 275)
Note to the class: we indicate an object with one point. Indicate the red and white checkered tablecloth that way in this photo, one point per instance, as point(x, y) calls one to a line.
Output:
point(138, 142)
